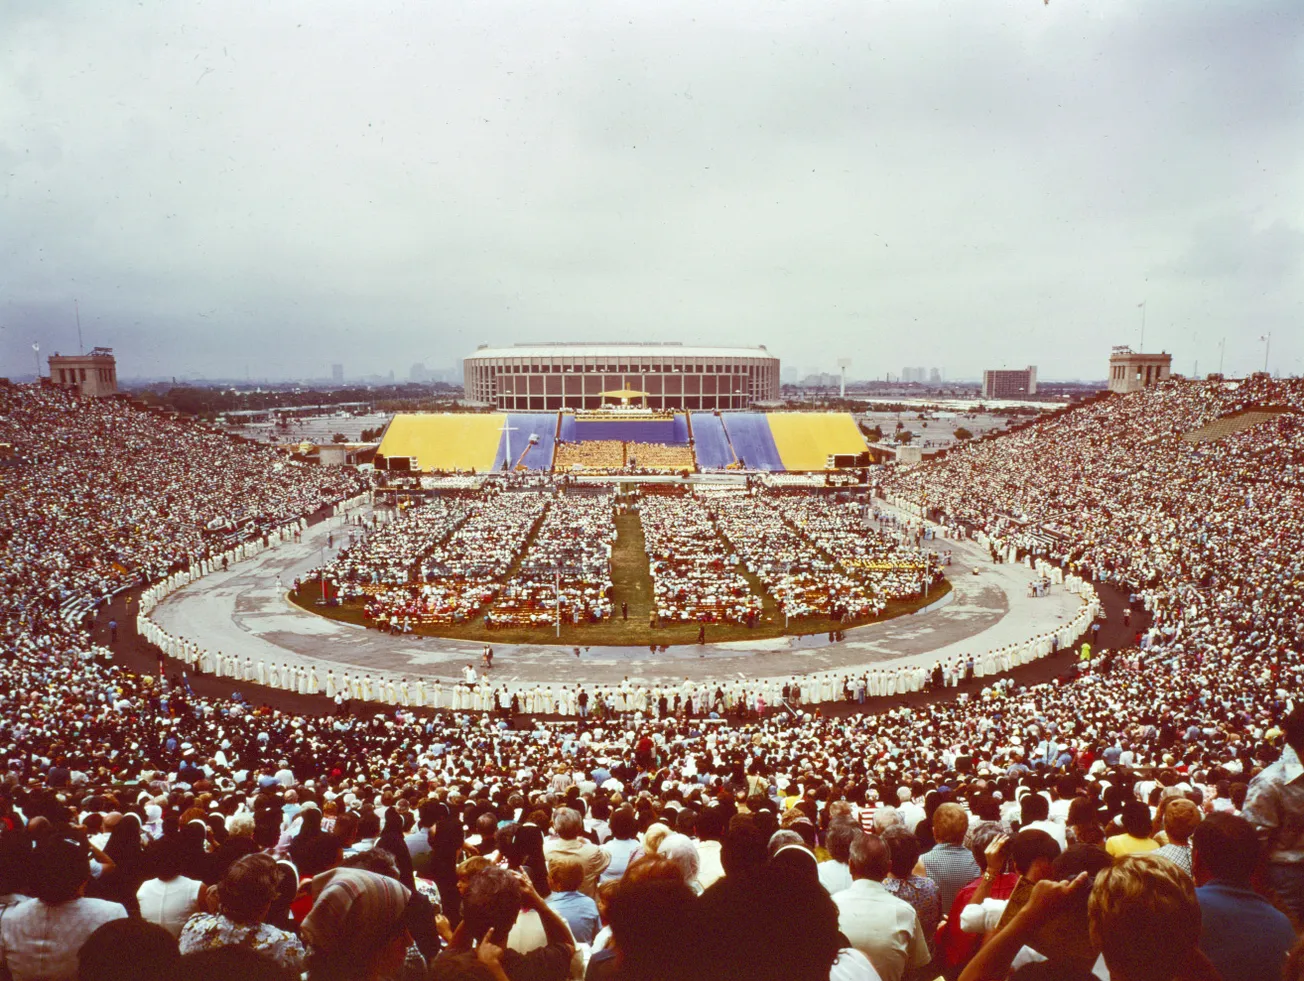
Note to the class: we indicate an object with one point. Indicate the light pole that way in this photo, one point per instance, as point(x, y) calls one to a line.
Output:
point(1267, 344)
point(36, 356)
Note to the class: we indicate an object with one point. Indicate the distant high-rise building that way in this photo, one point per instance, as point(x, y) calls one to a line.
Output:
point(1010, 384)
point(934, 376)
point(337, 374)
point(419, 373)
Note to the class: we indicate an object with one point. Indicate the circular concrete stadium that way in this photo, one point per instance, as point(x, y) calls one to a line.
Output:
point(539, 377)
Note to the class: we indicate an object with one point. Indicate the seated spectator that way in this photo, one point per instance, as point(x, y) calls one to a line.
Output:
point(919, 891)
point(565, 876)
point(1181, 818)
point(1082, 826)
point(885, 929)
point(568, 825)
point(1034, 811)
point(1241, 933)
point(623, 844)
point(1273, 806)
point(1135, 838)
point(244, 898)
point(651, 923)
point(1031, 852)
point(682, 851)
point(835, 874)
point(357, 930)
point(128, 950)
point(603, 965)
point(949, 863)
point(493, 900)
point(169, 898)
point(40, 937)
point(1142, 915)
point(954, 947)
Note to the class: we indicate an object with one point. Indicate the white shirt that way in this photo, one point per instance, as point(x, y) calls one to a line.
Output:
point(41, 942)
point(883, 928)
point(852, 965)
point(982, 917)
point(1056, 831)
point(834, 876)
point(169, 903)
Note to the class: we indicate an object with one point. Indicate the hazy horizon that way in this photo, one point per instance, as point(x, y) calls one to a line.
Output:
point(234, 189)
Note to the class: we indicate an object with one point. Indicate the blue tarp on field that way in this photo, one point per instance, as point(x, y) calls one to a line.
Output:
point(710, 442)
point(629, 431)
point(749, 432)
point(525, 424)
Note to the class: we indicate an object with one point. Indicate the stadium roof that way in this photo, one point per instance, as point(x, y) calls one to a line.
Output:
point(618, 351)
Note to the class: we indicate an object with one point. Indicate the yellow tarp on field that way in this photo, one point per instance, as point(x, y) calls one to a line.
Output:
point(445, 441)
point(805, 439)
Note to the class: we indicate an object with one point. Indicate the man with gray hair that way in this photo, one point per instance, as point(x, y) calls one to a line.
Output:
point(879, 925)
point(568, 826)
point(835, 874)
point(886, 817)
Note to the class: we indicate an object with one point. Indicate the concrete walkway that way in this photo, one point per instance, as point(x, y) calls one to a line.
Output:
point(244, 611)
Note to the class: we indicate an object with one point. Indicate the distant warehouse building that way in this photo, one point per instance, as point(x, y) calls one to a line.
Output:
point(542, 377)
point(1010, 384)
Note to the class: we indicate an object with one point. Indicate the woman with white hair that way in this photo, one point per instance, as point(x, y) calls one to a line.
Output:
point(682, 851)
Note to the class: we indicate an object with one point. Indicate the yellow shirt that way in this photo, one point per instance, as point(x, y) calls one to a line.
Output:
point(1125, 844)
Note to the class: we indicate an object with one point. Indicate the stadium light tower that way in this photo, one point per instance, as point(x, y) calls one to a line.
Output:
point(844, 364)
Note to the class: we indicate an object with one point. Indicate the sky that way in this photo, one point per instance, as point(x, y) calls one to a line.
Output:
point(227, 188)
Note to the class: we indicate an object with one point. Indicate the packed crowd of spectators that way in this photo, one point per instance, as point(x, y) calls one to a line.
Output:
point(1139, 822)
point(566, 571)
point(457, 576)
point(820, 556)
point(802, 579)
point(391, 556)
point(694, 574)
point(100, 493)
point(589, 454)
point(893, 569)
point(660, 456)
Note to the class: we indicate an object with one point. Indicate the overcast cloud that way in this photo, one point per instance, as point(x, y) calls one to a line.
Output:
point(237, 186)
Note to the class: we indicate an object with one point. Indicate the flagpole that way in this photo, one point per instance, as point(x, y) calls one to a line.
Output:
point(1143, 326)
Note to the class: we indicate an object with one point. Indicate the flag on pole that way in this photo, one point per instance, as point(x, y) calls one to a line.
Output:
point(1141, 304)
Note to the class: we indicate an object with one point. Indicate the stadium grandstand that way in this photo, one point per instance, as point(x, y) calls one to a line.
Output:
point(542, 441)
point(718, 820)
point(533, 377)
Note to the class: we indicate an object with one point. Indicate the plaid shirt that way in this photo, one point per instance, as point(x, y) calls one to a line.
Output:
point(952, 867)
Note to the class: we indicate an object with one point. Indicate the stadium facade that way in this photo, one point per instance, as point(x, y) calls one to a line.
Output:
point(543, 377)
